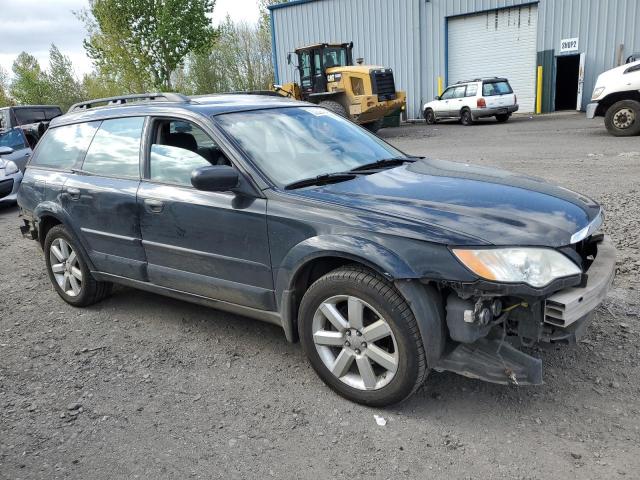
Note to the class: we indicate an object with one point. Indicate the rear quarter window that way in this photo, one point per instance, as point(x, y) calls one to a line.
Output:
point(64, 147)
point(496, 88)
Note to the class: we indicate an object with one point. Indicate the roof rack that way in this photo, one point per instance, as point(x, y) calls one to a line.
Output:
point(133, 98)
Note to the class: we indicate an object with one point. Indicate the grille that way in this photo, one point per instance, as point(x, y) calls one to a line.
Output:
point(383, 84)
point(6, 186)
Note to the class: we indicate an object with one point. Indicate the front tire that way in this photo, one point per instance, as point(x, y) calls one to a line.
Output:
point(623, 118)
point(68, 270)
point(335, 107)
point(361, 337)
point(430, 116)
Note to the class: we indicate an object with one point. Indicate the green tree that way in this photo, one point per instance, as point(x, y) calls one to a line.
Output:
point(240, 60)
point(30, 85)
point(5, 100)
point(141, 43)
point(62, 86)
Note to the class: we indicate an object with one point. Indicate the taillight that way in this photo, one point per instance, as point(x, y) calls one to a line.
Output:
point(482, 103)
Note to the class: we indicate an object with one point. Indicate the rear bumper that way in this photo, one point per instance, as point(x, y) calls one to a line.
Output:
point(591, 109)
point(490, 112)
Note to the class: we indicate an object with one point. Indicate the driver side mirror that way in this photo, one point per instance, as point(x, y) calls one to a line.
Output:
point(218, 178)
point(6, 150)
point(437, 97)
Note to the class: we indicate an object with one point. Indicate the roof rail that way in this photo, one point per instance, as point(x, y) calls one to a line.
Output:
point(133, 98)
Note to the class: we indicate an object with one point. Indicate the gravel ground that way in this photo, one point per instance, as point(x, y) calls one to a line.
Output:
point(141, 386)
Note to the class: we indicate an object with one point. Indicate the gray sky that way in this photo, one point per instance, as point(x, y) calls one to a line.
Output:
point(33, 25)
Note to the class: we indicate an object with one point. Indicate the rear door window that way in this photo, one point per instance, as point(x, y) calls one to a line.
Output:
point(472, 89)
point(115, 149)
point(501, 87)
point(64, 147)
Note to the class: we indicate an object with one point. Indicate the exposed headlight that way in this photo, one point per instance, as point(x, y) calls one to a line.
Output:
point(534, 266)
point(597, 92)
point(10, 168)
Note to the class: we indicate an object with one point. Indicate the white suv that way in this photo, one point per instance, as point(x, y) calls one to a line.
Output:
point(468, 101)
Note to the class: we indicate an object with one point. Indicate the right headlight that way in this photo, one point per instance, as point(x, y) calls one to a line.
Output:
point(534, 266)
point(597, 92)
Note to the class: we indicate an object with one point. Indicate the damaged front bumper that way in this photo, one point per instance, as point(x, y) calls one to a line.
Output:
point(563, 317)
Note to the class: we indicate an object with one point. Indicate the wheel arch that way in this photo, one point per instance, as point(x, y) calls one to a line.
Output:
point(609, 100)
point(315, 257)
point(50, 214)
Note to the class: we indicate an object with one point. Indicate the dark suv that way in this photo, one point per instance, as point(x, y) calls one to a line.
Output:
point(385, 266)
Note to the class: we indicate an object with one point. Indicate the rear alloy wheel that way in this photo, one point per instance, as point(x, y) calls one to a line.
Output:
point(361, 337)
point(69, 272)
point(466, 118)
point(429, 116)
point(623, 118)
point(502, 117)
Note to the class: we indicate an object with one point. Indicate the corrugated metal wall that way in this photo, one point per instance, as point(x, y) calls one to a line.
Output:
point(410, 35)
point(384, 32)
point(600, 25)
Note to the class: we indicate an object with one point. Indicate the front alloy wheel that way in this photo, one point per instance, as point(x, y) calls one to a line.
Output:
point(361, 337)
point(355, 342)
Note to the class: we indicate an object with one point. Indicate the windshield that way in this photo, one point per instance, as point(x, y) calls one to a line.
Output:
point(12, 138)
point(291, 144)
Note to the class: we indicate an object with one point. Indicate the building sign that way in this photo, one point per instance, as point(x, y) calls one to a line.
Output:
point(569, 45)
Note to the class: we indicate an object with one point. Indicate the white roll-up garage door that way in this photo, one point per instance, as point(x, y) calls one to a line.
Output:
point(497, 43)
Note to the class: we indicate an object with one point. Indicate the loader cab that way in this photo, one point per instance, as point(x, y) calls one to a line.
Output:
point(314, 60)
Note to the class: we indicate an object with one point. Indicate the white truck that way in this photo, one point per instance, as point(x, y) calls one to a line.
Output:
point(616, 97)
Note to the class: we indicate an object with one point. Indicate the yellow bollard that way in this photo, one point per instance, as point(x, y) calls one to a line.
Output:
point(439, 86)
point(539, 91)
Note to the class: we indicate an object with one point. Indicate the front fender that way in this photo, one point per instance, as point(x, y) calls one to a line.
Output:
point(357, 249)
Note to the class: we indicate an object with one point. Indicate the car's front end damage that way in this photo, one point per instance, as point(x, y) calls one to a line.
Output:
point(489, 322)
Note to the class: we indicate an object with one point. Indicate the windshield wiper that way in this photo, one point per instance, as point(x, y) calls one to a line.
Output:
point(323, 179)
point(384, 163)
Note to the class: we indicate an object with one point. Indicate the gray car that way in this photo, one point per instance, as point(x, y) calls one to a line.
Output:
point(14, 153)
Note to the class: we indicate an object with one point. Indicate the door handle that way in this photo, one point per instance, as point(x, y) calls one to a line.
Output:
point(74, 193)
point(153, 206)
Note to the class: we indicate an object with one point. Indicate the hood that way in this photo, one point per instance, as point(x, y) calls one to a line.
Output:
point(614, 75)
point(488, 205)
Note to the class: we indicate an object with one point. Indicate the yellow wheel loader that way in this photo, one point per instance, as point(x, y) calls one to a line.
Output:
point(363, 93)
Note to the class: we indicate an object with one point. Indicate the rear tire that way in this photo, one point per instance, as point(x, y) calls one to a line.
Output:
point(69, 272)
point(385, 330)
point(465, 117)
point(623, 118)
point(334, 107)
point(502, 117)
point(429, 116)
point(373, 127)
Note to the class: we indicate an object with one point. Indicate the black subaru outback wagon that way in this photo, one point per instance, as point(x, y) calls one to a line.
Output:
point(385, 266)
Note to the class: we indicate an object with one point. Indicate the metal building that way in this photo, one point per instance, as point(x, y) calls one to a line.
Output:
point(424, 40)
